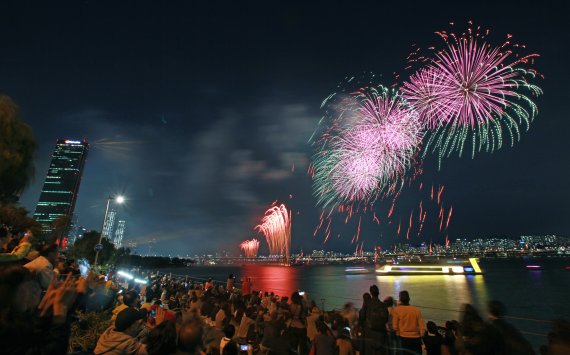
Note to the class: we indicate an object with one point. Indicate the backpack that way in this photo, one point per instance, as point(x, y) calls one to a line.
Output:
point(376, 315)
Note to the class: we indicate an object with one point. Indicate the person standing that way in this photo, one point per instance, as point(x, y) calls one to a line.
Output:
point(230, 283)
point(408, 325)
point(246, 288)
point(298, 324)
point(374, 316)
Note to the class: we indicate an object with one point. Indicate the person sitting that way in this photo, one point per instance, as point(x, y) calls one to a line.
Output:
point(20, 251)
point(190, 338)
point(324, 343)
point(120, 338)
point(162, 339)
point(22, 332)
point(433, 341)
point(344, 343)
point(129, 299)
point(229, 332)
point(43, 265)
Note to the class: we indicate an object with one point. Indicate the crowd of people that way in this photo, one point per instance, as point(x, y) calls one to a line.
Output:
point(41, 295)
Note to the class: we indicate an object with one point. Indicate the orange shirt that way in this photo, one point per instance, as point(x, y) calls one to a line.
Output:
point(408, 321)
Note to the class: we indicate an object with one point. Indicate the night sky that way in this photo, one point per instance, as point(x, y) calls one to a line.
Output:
point(202, 108)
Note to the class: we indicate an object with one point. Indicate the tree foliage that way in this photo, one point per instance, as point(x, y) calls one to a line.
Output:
point(17, 218)
point(17, 148)
point(85, 248)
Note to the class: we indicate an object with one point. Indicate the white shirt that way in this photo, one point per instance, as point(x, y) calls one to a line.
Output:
point(43, 269)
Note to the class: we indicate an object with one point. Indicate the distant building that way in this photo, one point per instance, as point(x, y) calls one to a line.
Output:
point(109, 225)
point(61, 186)
point(73, 231)
point(119, 234)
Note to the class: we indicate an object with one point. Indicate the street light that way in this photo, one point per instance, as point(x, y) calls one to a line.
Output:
point(118, 199)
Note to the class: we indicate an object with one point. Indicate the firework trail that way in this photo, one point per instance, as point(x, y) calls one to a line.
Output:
point(250, 248)
point(366, 148)
point(472, 91)
point(276, 226)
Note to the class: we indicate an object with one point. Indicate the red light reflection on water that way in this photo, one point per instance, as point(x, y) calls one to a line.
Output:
point(279, 279)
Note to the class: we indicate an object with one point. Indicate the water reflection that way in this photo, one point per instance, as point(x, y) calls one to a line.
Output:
point(279, 279)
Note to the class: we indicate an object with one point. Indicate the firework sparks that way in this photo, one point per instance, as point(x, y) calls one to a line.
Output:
point(472, 91)
point(367, 149)
point(276, 226)
point(250, 248)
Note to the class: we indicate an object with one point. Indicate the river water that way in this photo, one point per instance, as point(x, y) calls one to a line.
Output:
point(533, 298)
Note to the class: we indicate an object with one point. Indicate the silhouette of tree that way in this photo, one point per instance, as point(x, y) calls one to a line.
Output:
point(17, 218)
point(85, 248)
point(17, 148)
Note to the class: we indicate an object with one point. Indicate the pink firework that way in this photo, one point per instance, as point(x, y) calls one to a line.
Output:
point(250, 248)
point(276, 226)
point(473, 91)
point(424, 92)
point(368, 147)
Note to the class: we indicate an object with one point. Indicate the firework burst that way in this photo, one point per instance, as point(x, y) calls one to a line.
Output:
point(472, 91)
point(276, 226)
point(250, 248)
point(366, 146)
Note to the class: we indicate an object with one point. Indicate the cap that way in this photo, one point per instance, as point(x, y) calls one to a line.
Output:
point(127, 317)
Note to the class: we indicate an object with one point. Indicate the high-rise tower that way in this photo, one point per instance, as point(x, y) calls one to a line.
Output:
point(109, 225)
point(119, 234)
point(61, 186)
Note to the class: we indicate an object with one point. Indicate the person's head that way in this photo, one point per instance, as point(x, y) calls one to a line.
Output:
point(130, 321)
point(389, 301)
point(431, 327)
point(49, 251)
point(496, 309)
point(374, 291)
point(18, 291)
point(229, 331)
point(348, 306)
point(404, 298)
point(130, 299)
point(296, 298)
point(162, 339)
point(190, 337)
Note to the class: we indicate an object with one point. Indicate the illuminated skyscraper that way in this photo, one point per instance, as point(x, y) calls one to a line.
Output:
point(119, 234)
point(109, 225)
point(61, 186)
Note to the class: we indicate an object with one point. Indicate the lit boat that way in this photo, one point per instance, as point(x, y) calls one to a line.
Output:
point(470, 268)
point(356, 270)
point(534, 267)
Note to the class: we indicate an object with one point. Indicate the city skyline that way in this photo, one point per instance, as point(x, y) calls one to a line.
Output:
point(202, 133)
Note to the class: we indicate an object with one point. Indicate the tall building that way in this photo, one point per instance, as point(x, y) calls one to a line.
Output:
point(61, 185)
point(109, 225)
point(119, 234)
